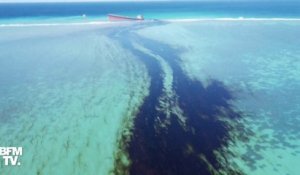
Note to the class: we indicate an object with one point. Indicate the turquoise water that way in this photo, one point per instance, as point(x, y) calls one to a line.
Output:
point(69, 94)
point(259, 62)
point(63, 102)
point(154, 97)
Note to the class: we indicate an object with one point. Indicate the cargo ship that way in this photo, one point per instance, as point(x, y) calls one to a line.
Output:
point(112, 17)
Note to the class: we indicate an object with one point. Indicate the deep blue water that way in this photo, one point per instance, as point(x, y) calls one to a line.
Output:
point(152, 9)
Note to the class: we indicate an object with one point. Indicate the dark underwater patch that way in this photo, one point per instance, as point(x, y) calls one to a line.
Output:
point(178, 149)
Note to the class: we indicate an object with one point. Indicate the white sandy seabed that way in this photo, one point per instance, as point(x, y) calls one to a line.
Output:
point(68, 90)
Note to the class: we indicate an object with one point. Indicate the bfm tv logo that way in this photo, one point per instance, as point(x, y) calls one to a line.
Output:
point(11, 155)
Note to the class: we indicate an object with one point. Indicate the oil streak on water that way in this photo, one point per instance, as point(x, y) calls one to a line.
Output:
point(178, 147)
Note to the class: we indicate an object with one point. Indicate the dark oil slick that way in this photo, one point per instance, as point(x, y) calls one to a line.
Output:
point(178, 149)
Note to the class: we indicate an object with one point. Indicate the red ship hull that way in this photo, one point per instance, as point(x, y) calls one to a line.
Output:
point(122, 18)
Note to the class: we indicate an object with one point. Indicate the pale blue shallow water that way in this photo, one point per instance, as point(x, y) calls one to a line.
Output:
point(259, 62)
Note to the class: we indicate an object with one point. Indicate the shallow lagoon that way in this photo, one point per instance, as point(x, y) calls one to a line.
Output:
point(85, 98)
point(259, 62)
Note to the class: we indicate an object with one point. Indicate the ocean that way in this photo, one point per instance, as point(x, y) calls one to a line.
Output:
point(93, 11)
point(205, 88)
